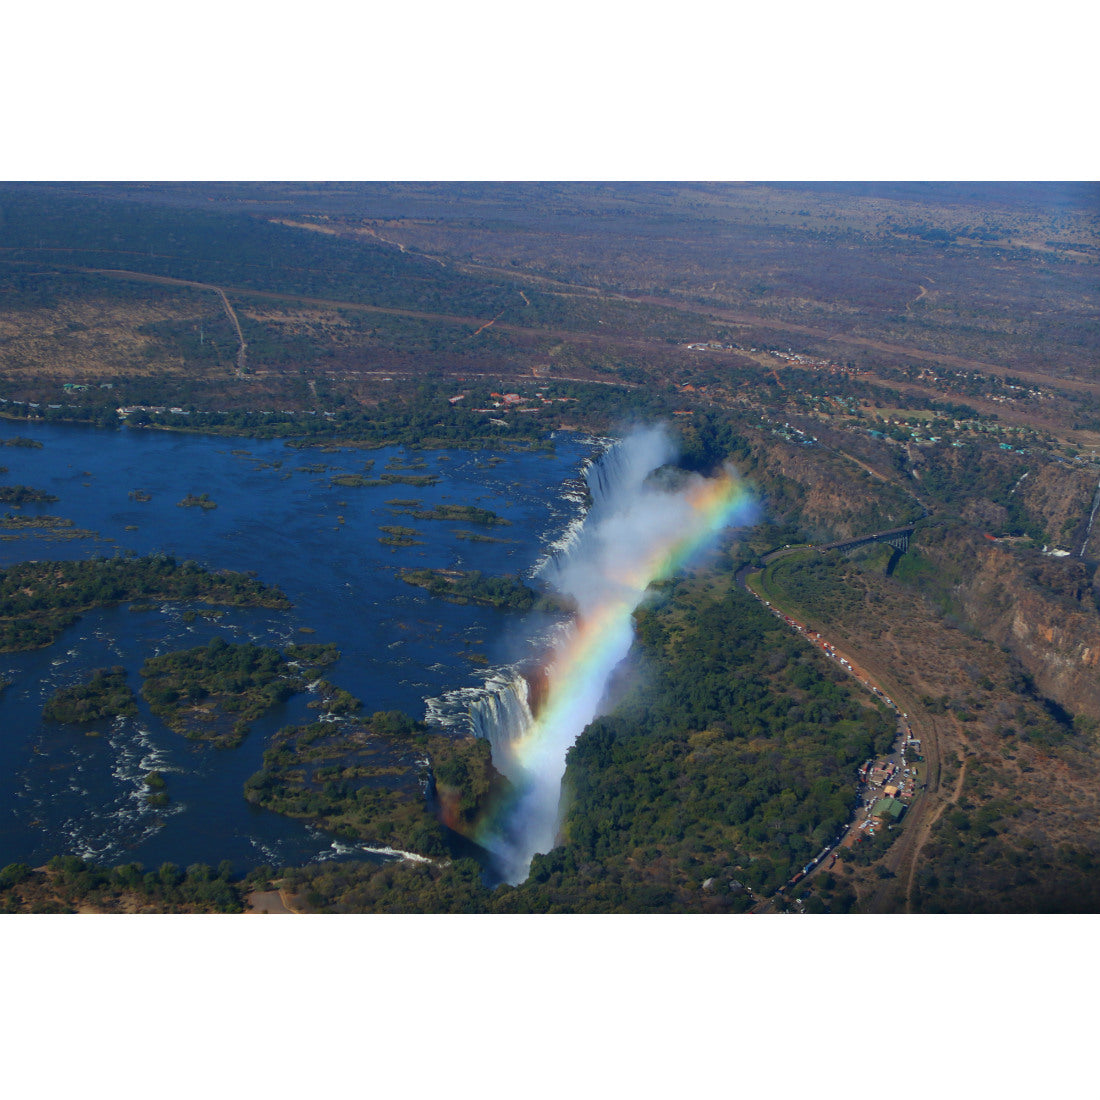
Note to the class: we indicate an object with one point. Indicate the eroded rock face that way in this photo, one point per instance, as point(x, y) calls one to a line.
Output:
point(1042, 610)
point(1062, 497)
point(830, 498)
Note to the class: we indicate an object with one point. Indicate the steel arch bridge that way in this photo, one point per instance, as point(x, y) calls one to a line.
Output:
point(897, 537)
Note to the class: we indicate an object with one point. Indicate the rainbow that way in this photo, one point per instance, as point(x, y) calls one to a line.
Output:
point(665, 531)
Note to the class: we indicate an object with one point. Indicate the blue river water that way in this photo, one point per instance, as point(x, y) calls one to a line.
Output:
point(80, 790)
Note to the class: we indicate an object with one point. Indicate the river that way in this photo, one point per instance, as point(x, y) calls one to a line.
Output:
point(63, 791)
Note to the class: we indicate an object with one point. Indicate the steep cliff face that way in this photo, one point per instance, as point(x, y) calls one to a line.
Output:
point(1061, 497)
point(1006, 493)
point(1061, 651)
point(827, 496)
point(1043, 610)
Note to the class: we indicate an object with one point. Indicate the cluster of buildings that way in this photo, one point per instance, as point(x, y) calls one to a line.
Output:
point(514, 401)
point(796, 358)
point(714, 345)
point(898, 783)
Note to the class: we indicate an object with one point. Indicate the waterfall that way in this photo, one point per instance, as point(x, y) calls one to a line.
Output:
point(638, 528)
point(503, 709)
point(614, 475)
point(501, 714)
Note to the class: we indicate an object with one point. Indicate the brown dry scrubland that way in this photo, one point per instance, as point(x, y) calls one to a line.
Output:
point(1013, 784)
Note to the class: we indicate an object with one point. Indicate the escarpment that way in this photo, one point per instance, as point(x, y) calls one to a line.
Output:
point(1043, 610)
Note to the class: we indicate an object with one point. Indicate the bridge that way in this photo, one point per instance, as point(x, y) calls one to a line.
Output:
point(897, 537)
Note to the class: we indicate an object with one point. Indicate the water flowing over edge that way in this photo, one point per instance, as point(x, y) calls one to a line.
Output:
point(505, 689)
point(632, 532)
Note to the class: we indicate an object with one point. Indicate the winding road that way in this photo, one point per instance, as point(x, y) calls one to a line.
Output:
point(893, 894)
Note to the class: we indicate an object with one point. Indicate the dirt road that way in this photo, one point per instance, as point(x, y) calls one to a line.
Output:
point(242, 363)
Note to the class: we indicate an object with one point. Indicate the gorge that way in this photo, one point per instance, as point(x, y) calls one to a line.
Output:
point(646, 520)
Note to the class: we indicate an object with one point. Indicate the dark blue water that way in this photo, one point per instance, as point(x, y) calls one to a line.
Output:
point(80, 790)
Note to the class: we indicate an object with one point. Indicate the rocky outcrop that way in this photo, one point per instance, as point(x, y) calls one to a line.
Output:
point(1042, 610)
point(826, 495)
point(1061, 496)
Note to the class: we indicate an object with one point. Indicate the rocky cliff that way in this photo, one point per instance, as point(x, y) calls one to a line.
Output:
point(1043, 610)
point(827, 495)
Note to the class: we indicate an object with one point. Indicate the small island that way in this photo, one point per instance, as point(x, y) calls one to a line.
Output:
point(105, 695)
point(461, 587)
point(39, 599)
point(202, 501)
point(467, 513)
point(311, 656)
point(24, 494)
point(399, 536)
point(359, 481)
point(54, 528)
point(157, 793)
point(333, 700)
point(213, 692)
point(475, 536)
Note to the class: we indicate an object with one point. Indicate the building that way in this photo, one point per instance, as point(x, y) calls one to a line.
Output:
point(888, 810)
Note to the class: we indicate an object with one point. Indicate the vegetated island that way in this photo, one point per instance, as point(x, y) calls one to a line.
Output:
point(311, 656)
point(397, 463)
point(54, 528)
point(369, 780)
point(399, 536)
point(467, 513)
point(105, 695)
point(24, 494)
point(213, 692)
point(21, 441)
point(472, 586)
point(39, 599)
point(202, 501)
point(333, 700)
point(357, 481)
point(157, 794)
point(475, 536)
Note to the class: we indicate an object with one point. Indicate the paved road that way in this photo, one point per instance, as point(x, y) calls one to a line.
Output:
point(894, 894)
